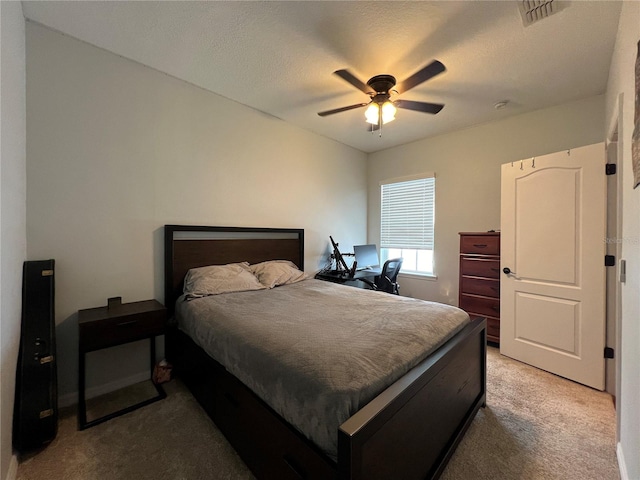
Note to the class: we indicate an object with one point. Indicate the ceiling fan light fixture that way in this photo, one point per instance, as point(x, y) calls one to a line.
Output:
point(388, 112)
point(371, 113)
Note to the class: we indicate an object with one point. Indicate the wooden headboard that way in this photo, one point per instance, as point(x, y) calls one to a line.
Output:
point(189, 246)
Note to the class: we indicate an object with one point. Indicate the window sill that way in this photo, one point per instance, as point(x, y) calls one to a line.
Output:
point(419, 276)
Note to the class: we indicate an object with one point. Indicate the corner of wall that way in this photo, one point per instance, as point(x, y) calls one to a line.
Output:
point(12, 473)
point(13, 215)
point(621, 464)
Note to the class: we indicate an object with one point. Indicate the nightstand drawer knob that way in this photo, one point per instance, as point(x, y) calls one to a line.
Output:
point(124, 324)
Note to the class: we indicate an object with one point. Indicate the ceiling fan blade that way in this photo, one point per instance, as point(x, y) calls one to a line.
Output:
point(419, 106)
point(349, 77)
point(430, 71)
point(342, 109)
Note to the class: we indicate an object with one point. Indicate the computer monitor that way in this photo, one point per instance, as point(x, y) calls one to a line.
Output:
point(366, 256)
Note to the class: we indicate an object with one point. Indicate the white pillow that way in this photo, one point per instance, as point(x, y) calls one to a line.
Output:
point(216, 279)
point(277, 272)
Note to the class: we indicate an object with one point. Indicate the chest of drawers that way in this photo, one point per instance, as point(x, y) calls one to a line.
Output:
point(480, 278)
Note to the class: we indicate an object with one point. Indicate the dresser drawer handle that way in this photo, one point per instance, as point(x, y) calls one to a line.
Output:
point(494, 288)
point(480, 245)
point(496, 308)
point(124, 324)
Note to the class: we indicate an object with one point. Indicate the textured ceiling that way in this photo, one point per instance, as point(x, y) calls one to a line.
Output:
point(278, 57)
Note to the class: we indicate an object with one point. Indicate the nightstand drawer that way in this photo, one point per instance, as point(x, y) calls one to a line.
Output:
point(480, 286)
point(480, 244)
point(478, 267)
point(103, 327)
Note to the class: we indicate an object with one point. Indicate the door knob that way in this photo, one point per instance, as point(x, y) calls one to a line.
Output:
point(507, 270)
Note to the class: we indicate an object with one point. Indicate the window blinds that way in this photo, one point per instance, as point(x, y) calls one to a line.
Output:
point(407, 214)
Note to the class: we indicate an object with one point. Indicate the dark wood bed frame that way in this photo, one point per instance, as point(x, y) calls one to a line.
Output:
point(408, 431)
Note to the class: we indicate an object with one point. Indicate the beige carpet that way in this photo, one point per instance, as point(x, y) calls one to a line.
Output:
point(535, 426)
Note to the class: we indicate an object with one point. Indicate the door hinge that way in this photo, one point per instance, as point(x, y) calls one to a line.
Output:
point(609, 352)
point(609, 260)
point(610, 168)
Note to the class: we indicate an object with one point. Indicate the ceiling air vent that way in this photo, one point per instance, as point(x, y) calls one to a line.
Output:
point(535, 10)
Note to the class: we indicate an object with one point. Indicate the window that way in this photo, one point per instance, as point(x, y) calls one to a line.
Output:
point(406, 222)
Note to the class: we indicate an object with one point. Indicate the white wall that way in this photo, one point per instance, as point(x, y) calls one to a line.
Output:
point(621, 81)
point(12, 213)
point(467, 166)
point(115, 150)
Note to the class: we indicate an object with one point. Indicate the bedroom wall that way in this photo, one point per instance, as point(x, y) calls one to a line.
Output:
point(115, 150)
point(13, 243)
point(621, 86)
point(467, 165)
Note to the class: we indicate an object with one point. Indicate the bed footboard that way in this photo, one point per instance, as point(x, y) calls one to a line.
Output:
point(409, 431)
point(412, 428)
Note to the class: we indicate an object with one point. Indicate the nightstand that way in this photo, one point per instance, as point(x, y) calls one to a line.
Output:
point(105, 327)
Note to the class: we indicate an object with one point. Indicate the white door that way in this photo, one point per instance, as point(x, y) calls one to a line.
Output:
point(553, 222)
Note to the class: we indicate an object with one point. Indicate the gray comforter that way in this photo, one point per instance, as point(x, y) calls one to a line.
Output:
point(316, 352)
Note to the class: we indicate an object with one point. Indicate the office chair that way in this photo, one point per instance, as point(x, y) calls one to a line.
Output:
point(387, 281)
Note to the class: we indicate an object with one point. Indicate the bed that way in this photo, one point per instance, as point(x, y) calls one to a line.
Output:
point(408, 429)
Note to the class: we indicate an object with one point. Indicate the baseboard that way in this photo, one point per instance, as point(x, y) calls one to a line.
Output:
point(12, 473)
point(72, 398)
point(621, 465)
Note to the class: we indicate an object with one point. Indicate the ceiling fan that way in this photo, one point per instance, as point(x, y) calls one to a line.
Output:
point(381, 109)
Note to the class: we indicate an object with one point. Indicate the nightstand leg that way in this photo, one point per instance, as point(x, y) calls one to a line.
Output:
point(152, 350)
point(159, 389)
point(82, 407)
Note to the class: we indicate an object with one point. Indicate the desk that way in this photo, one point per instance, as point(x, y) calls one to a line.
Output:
point(344, 278)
